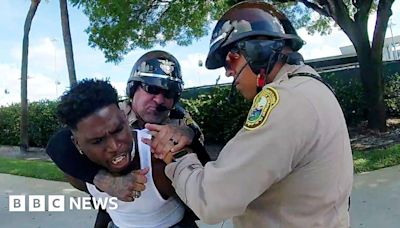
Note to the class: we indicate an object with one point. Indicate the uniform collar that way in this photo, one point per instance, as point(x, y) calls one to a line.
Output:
point(282, 75)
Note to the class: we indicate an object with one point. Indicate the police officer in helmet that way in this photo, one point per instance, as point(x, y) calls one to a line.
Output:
point(291, 164)
point(156, 72)
point(154, 88)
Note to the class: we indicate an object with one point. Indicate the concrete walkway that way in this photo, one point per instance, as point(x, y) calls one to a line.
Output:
point(16, 185)
point(375, 202)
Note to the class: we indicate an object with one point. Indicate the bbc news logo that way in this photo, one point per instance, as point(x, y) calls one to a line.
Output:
point(38, 203)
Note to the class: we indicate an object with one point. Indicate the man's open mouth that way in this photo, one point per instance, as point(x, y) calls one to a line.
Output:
point(118, 159)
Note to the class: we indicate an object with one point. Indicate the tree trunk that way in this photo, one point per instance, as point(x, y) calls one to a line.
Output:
point(69, 54)
point(24, 77)
point(372, 80)
point(369, 56)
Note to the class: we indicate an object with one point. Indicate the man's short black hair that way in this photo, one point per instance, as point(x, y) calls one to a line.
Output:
point(85, 98)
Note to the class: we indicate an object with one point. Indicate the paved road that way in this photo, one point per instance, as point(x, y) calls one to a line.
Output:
point(375, 202)
point(16, 185)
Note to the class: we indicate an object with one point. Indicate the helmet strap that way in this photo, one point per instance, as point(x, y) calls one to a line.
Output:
point(260, 80)
point(238, 75)
point(265, 72)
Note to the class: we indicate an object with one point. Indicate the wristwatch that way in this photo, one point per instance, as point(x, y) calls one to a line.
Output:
point(180, 154)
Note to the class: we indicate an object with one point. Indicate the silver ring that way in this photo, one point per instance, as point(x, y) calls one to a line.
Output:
point(173, 141)
point(136, 194)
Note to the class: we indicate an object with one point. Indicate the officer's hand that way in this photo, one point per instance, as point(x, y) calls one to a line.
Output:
point(125, 188)
point(168, 138)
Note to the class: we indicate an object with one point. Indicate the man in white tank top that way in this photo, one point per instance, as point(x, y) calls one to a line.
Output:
point(150, 209)
point(101, 132)
point(153, 91)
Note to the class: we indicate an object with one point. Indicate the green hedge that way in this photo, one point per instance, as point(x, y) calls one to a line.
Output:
point(219, 119)
point(392, 94)
point(42, 123)
point(349, 93)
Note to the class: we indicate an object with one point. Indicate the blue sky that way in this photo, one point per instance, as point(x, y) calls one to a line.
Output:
point(47, 62)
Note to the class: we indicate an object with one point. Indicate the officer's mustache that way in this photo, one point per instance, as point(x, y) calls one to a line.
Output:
point(162, 108)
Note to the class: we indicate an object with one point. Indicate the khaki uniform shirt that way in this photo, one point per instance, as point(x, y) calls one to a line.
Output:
point(293, 170)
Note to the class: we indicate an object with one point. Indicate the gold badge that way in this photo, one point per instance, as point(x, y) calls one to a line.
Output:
point(262, 106)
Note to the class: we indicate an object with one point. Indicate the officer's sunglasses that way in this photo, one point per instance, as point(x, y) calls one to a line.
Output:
point(155, 90)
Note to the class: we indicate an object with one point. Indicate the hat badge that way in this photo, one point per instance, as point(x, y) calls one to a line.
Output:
point(166, 66)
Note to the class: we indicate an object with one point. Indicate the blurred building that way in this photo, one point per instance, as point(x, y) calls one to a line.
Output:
point(348, 58)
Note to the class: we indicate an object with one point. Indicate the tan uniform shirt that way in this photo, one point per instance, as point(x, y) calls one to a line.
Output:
point(295, 170)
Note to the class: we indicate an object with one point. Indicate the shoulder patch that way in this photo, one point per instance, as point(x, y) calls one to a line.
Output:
point(262, 106)
point(188, 119)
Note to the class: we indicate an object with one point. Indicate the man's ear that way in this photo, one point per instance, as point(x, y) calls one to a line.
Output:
point(76, 143)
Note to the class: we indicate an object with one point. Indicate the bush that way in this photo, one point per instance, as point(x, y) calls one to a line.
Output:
point(219, 119)
point(9, 124)
point(392, 95)
point(42, 123)
point(349, 92)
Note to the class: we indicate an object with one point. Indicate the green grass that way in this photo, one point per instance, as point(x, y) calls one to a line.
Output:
point(36, 169)
point(376, 159)
point(363, 161)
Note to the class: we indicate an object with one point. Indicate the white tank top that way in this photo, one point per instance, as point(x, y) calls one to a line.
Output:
point(150, 209)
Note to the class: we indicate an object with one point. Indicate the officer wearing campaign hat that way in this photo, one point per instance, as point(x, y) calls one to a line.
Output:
point(291, 163)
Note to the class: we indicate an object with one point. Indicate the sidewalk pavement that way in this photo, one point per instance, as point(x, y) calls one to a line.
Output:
point(375, 202)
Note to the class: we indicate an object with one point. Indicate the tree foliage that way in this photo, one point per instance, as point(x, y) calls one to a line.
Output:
point(117, 27)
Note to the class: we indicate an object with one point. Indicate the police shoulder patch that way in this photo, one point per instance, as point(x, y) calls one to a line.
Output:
point(262, 106)
point(188, 119)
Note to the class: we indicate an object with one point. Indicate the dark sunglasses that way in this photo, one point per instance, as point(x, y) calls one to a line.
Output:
point(155, 90)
